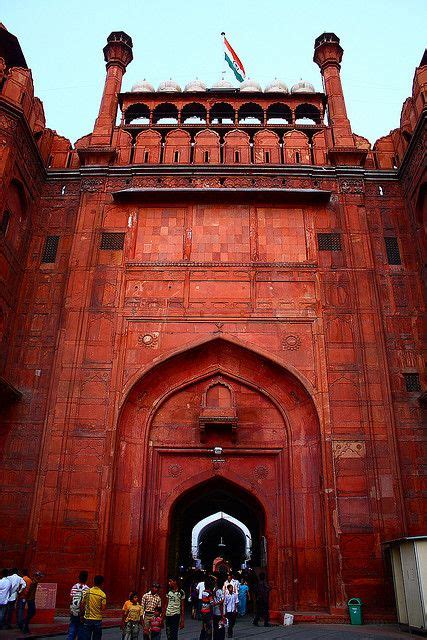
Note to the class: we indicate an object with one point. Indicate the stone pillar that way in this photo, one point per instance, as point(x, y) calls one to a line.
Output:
point(117, 55)
point(328, 55)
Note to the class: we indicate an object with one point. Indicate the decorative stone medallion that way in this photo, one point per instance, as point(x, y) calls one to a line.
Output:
point(261, 472)
point(174, 470)
point(291, 343)
point(149, 340)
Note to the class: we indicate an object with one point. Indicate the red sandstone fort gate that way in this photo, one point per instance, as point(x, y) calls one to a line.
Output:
point(220, 393)
point(228, 267)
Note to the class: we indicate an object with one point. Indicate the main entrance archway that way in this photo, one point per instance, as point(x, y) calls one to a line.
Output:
point(221, 536)
point(221, 425)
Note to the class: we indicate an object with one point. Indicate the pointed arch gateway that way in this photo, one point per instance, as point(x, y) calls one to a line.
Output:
point(268, 474)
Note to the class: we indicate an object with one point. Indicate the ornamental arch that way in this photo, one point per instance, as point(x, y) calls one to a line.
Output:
point(273, 458)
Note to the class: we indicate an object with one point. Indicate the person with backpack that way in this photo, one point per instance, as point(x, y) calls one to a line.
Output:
point(92, 605)
point(206, 609)
point(76, 595)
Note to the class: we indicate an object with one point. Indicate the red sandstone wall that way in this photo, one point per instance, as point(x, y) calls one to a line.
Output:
point(247, 279)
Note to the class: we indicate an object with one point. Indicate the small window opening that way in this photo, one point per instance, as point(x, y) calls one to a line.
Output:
point(50, 249)
point(267, 157)
point(395, 162)
point(112, 240)
point(4, 224)
point(206, 156)
point(392, 250)
point(412, 382)
point(237, 156)
point(63, 190)
point(146, 156)
point(297, 157)
point(176, 156)
point(380, 190)
point(329, 241)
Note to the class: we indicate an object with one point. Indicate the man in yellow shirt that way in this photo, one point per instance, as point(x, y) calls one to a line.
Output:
point(93, 603)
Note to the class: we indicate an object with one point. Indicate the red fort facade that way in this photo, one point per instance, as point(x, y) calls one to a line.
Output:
point(227, 268)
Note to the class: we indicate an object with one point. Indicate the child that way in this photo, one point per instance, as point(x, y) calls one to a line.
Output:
point(156, 624)
point(131, 618)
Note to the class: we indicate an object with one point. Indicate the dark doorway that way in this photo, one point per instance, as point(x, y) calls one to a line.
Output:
point(221, 537)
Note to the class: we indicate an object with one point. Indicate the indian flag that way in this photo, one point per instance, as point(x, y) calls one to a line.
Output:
point(233, 60)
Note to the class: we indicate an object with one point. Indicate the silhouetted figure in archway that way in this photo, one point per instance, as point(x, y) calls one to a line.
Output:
point(262, 601)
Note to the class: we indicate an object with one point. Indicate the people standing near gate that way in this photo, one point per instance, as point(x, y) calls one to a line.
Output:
point(262, 601)
point(174, 614)
point(31, 600)
point(5, 589)
point(18, 585)
point(206, 610)
point(92, 606)
point(218, 610)
point(131, 617)
point(200, 587)
point(231, 580)
point(231, 602)
point(150, 602)
point(76, 595)
point(22, 600)
point(243, 596)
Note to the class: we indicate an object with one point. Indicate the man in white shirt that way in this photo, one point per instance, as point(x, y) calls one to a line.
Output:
point(5, 589)
point(18, 584)
point(200, 587)
point(231, 601)
point(231, 580)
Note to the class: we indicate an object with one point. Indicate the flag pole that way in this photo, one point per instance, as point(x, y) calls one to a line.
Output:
point(224, 70)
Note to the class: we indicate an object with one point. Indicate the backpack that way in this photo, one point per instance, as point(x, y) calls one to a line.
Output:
point(76, 598)
point(206, 602)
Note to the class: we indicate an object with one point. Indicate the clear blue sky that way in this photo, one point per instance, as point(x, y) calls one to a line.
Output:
point(383, 42)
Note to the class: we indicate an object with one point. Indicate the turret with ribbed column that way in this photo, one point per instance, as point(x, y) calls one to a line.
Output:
point(117, 55)
point(328, 55)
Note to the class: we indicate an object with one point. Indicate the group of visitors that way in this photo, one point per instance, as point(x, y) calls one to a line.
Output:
point(87, 606)
point(220, 602)
point(216, 602)
point(18, 598)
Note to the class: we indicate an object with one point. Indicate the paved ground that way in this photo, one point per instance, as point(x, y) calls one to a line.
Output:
point(244, 629)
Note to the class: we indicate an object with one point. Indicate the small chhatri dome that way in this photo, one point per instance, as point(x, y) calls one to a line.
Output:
point(276, 85)
point(142, 86)
point(195, 85)
point(222, 84)
point(303, 87)
point(250, 85)
point(169, 85)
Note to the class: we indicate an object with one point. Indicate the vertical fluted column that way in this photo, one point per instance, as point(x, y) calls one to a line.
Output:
point(328, 55)
point(117, 55)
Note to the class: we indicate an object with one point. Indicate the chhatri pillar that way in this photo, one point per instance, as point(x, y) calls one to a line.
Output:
point(328, 55)
point(117, 55)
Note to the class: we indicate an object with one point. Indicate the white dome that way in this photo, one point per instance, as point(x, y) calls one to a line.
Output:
point(195, 85)
point(276, 85)
point(250, 85)
point(303, 87)
point(222, 84)
point(169, 85)
point(142, 85)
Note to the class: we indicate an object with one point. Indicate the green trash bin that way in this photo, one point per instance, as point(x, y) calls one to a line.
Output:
point(355, 610)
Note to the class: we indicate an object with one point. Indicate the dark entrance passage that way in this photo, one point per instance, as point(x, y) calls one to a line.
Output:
point(222, 537)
